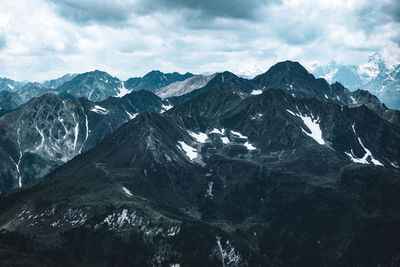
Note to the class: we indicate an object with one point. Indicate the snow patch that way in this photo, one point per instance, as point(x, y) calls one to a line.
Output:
point(166, 107)
point(313, 126)
point(76, 131)
point(238, 134)
point(191, 153)
point(42, 138)
point(199, 137)
point(99, 110)
point(87, 133)
point(216, 131)
point(368, 154)
point(249, 146)
point(225, 140)
point(258, 116)
point(130, 115)
point(256, 92)
point(126, 190)
point(122, 90)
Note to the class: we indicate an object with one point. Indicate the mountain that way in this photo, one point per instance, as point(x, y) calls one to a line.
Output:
point(183, 87)
point(49, 131)
point(31, 90)
point(228, 177)
point(155, 80)
point(363, 97)
point(53, 84)
point(9, 101)
point(375, 76)
point(333, 72)
point(296, 80)
point(95, 86)
point(247, 87)
point(10, 85)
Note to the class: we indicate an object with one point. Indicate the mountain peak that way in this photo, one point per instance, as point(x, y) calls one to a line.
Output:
point(286, 70)
point(376, 57)
point(155, 79)
point(289, 66)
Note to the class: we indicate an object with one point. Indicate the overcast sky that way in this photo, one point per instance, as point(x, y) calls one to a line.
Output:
point(43, 39)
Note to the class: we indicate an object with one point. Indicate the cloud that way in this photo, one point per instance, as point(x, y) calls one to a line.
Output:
point(119, 12)
point(91, 11)
point(236, 9)
point(43, 39)
point(393, 9)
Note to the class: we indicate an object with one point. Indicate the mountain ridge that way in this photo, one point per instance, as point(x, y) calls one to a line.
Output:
point(222, 176)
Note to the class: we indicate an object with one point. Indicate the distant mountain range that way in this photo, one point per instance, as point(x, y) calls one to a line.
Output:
point(95, 86)
point(281, 170)
point(53, 128)
point(375, 76)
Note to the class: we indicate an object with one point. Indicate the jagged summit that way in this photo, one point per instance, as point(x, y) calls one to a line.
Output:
point(375, 75)
point(155, 80)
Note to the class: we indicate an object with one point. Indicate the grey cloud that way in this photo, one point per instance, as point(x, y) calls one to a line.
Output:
point(104, 11)
point(236, 9)
point(374, 14)
point(393, 9)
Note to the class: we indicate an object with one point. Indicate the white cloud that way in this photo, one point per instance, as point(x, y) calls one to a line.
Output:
point(42, 39)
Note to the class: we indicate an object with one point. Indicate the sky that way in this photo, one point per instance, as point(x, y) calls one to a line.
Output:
point(44, 39)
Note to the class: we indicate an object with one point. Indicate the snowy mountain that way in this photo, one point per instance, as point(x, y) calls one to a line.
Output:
point(281, 170)
point(375, 76)
point(223, 177)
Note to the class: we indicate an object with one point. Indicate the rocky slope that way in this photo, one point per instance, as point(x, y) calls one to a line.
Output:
point(53, 84)
point(225, 178)
point(9, 101)
point(49, 131)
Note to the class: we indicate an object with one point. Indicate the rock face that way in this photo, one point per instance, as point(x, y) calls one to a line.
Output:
point(184, 87)
point(232, 176)
point(49, 131)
